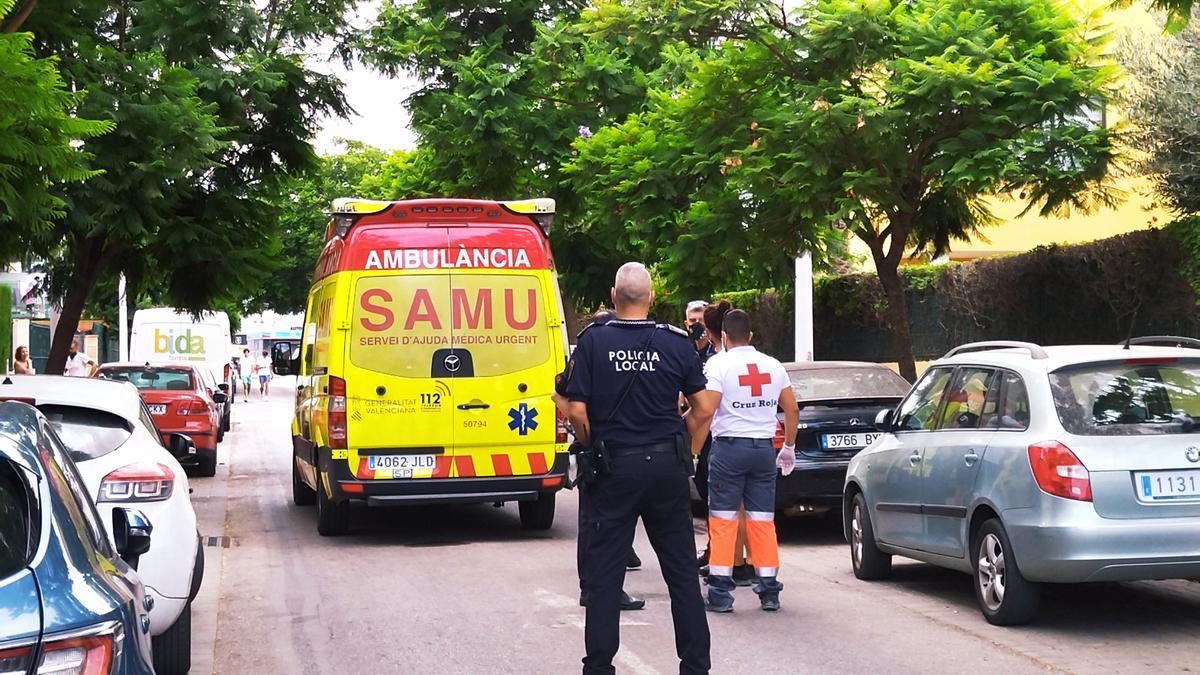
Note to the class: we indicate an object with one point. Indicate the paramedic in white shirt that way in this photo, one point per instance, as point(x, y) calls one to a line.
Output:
point(745, 389)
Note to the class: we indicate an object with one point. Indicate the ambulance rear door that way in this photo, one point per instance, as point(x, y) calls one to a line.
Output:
point(400, 416)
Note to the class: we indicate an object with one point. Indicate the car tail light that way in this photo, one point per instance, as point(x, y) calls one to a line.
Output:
point(93, 653)
point(141, 482)
point(1059, 472)
point(337, 412)
point(16, 659)
point(777, 441)
point(560, 426)
point(195, 406)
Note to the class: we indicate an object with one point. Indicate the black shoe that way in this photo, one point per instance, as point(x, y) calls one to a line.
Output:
point(722, 608)
point(770, 602)
point(630, 603)
point(634, 562)
point(743, 575)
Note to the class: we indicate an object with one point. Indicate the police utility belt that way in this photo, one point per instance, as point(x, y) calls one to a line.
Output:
point(594, 460)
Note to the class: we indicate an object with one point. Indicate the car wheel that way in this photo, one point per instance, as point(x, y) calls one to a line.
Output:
point(302, 495)
point(869, 562)
point(333, 518)
point(206, 463)
point(220, 432)
point(172, 651)
point(538, 514)
point(226, 421)
point(1005, 596)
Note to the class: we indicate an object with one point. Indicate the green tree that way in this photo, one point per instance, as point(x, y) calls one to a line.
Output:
point(36, 129)
point(1160, 101)
point(891, 119)
point(212, 108)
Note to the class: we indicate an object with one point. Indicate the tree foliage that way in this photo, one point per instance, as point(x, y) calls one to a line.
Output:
point(36, 130)
point(892, 119)
point(211, 107)
point(1161, 104)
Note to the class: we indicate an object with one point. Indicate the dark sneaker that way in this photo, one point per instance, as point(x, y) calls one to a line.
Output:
point(770, 602)
point(634, 562)
point(717, 608)
point(743, 575)
point(630, 603)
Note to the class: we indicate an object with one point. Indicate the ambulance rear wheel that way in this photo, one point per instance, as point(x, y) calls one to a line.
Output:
point(333, 518)
point(538, 514)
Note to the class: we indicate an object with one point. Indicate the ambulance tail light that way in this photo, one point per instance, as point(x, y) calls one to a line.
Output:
point(337, 413)
point(560, 426)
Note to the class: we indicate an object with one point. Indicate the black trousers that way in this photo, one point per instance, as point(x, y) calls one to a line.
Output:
point(701, 477)
point(652, 485)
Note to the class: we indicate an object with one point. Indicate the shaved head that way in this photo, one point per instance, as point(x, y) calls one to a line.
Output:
point(631, 289)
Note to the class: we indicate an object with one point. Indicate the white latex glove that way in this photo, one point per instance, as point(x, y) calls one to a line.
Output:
point(786, 459)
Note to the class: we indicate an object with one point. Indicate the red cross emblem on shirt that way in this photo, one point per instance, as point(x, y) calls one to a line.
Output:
point(754, 380)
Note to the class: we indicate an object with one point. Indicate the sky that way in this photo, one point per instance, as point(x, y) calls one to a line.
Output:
point(380, 118)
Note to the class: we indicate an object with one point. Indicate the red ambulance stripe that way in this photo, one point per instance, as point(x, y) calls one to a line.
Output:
point(537, 463)
point(363, 471)
point(501, 464)
point(441, 467)
point(464, 466)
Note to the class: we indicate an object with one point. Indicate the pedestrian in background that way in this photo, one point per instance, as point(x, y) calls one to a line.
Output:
point(624, 401)
point(744, 389)
point(78, 363)
point(22, 364)
point(628, 602)
point(246, 368)
point(264, 374)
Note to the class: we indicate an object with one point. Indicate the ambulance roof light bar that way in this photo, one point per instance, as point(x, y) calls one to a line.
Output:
point(346, 209)
point(540, 209)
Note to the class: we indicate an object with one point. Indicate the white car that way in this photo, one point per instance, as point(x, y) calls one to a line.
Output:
point(116, 447)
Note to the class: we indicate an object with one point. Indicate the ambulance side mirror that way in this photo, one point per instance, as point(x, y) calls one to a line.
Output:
point(285, 358)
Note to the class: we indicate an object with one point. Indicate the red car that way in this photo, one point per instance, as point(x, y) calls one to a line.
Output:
point(179, 402)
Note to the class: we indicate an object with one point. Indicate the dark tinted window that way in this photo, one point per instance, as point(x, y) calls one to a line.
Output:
point(66, 481)
point(1007, 406)
point(157, 379)
point(16, 520)
point(1129, 399)
point(87, 433)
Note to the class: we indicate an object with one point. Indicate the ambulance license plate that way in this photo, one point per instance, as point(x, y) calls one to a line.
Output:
point(399, 466)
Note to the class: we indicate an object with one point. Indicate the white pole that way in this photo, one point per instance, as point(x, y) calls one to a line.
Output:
point(804, 308)
point(123, 318)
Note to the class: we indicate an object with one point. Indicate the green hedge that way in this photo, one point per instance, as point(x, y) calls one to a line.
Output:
point(1146, 282)
point(6, 346)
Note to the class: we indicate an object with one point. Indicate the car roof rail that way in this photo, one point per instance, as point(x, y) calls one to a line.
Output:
point(1165, 340)
point(1034, 350)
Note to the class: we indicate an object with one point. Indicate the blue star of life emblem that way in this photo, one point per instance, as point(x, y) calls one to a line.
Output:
point(521, 418)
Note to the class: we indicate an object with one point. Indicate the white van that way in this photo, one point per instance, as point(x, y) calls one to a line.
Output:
point(163, 334)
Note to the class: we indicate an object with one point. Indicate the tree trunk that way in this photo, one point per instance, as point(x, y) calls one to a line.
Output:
point(15, 20)
point(571, 318)
point(90, 259)
point(897, 314)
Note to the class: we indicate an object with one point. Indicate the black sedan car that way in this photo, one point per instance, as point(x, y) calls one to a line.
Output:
point(838, 404)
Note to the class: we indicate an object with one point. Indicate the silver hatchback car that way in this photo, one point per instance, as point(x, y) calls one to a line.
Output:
point(1021, 465)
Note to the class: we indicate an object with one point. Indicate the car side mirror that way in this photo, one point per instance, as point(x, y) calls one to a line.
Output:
point(131, 530)
point(884, 421)
point(223, 387)
point(181, 445)
point(219, 396)
point(285, 358)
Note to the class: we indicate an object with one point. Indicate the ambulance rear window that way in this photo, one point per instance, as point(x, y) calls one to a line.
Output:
point(399, 322)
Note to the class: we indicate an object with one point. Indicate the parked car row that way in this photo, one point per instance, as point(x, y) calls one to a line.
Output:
point(94, 495)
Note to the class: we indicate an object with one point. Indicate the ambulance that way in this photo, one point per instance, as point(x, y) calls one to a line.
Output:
point(432, 336)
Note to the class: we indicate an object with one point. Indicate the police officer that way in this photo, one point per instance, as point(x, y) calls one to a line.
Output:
point(624, 395)
point(628, 602)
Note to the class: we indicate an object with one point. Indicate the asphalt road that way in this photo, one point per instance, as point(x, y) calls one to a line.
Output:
point(464, 590)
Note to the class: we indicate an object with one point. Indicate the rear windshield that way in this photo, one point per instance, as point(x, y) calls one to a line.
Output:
point(159, 379)
point(850, 382)
point(87, 433)
point(402, 323)
point(1129, 399)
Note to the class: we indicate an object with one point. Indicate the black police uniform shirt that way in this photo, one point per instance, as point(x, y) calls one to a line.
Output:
point(664, 361)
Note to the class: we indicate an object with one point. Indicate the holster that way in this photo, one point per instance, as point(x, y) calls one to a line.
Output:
point(591, 462)
point(683, 451)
